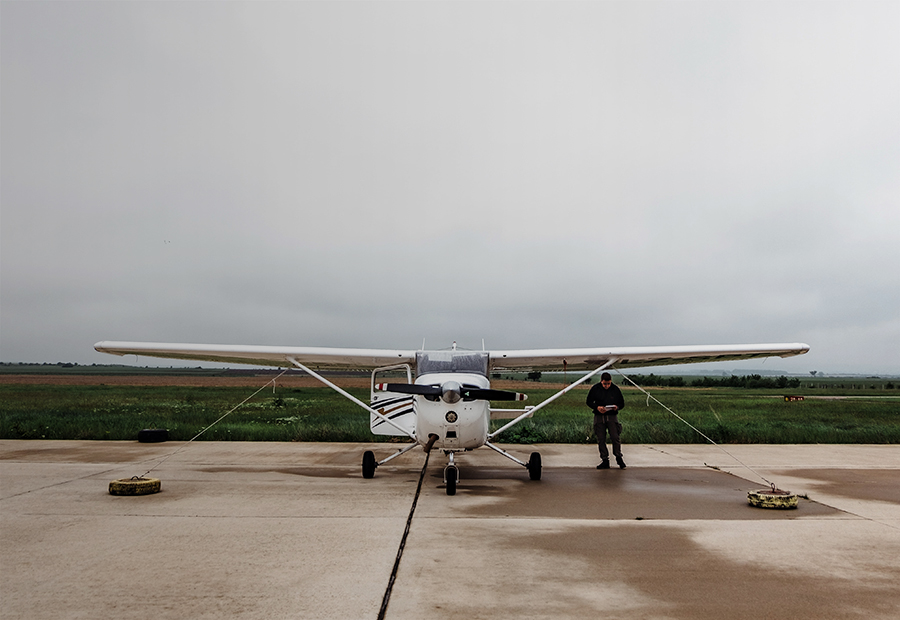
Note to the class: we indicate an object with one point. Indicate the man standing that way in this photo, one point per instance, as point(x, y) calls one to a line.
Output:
point(605, 400)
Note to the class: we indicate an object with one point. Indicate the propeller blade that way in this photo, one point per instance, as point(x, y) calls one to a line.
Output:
point(480, 394)
point(410, 388)
point(436, 390)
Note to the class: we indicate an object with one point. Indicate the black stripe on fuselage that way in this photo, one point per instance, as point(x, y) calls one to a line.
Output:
point(402, 406)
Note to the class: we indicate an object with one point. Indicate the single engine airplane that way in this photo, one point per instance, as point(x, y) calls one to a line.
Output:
point(447, 405)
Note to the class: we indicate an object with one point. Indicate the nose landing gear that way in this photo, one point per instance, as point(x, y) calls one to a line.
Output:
point(451, 475)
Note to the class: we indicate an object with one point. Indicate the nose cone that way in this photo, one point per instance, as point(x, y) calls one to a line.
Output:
point(450, 392)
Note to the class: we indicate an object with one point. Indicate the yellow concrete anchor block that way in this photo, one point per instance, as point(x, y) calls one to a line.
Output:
point(772, 498)
point(134, 486)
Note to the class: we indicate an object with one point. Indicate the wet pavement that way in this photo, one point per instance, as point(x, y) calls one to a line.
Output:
point(281, 530)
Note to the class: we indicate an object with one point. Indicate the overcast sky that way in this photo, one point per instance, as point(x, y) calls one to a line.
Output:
point(375, 174)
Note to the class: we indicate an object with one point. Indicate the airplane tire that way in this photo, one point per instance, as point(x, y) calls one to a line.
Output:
point(534, 466)
point(134, 486)
point(153, 435)
point(767, 498)
point(452, 478)
point(369, 464)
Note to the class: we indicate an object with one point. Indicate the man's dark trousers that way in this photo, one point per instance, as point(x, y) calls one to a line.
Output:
point(603, 423)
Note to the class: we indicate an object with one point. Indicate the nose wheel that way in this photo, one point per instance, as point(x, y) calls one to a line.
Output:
point(451, 475)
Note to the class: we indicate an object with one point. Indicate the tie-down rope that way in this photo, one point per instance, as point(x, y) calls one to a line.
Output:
point(650, 396)
point(390, 586)
point(232, 410)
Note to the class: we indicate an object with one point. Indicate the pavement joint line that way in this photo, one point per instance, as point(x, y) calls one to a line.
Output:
point(56, 484)
point(672, 454)
point(163, 516)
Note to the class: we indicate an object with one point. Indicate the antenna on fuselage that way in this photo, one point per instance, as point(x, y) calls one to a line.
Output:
point(423, 344)
point(482, 344)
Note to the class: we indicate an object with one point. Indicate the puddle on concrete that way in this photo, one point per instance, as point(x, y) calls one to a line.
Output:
point(633, 493)
point(691, 582)
point(881, 485)
point(684, 580)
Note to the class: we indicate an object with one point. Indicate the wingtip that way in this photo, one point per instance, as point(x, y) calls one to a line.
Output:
point(104, 347)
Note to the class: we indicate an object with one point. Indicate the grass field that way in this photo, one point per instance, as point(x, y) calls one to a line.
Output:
point(727, 415)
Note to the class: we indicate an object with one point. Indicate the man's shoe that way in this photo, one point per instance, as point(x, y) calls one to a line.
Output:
point(603, 465)
point(620, 462)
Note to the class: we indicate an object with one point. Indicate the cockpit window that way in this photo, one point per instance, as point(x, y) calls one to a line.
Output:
point(451, 361)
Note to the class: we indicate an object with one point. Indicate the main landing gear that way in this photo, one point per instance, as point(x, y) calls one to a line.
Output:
point(369, 464)
point(534, 466)
point(451, 471)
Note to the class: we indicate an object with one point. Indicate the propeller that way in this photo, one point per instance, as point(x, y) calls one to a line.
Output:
point(450, 391)
point(409, 388)
point(487, 394)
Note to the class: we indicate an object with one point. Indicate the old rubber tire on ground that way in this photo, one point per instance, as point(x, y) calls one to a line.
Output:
point(153, 435)
point(767, 498)
point(534, 466)
point(134, 486)
point(369, 464)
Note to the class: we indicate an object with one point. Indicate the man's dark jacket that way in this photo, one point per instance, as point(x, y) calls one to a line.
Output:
point(605, 396)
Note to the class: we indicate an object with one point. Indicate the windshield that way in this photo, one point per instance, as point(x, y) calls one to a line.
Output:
point(451, 361)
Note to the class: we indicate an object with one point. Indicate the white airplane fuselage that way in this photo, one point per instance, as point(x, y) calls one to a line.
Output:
point(460, 425)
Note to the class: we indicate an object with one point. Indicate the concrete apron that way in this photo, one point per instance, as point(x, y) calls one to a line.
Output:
point(279, 530)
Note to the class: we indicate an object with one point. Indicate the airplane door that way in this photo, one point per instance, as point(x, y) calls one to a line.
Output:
point(399, 408)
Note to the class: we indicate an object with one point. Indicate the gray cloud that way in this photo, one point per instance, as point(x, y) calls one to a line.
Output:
point(371, 174)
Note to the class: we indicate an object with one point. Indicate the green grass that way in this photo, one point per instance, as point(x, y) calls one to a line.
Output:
point(727, 415)
point(114, 412)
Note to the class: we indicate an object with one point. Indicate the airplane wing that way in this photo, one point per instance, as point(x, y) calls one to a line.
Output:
point(588, 359)
point(314, 357)
point(525, 359)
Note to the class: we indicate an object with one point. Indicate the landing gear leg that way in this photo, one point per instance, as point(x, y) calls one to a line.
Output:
point(533, 465)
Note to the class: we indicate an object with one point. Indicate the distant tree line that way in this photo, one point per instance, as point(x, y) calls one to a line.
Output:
point(745, 381)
